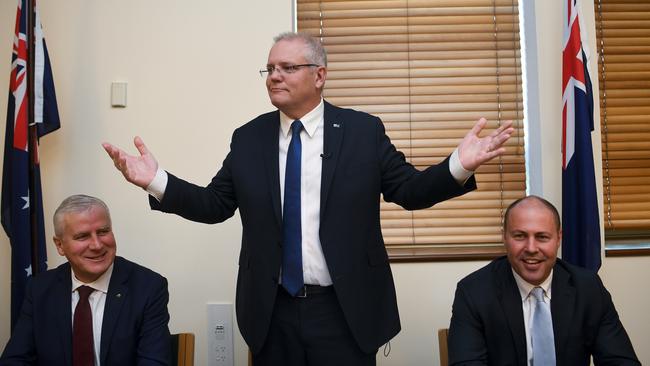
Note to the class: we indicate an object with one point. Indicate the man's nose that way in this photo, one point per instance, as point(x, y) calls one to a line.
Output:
point(94, 242)
point(531, 245)
point(275, 74)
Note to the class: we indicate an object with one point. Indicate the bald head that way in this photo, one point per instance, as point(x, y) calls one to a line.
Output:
point(546, 204)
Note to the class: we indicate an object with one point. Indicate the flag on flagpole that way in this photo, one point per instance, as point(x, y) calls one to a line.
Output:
point(580, 218)
point(16, 209)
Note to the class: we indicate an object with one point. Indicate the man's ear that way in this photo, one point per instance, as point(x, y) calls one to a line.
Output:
point(59, 245)
point(321, 75)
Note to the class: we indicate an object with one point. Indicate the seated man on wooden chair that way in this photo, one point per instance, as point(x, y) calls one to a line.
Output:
point(531, 307)
point(96, 309)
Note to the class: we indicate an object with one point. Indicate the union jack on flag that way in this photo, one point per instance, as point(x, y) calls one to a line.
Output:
point(16, 209)
point(580, 220)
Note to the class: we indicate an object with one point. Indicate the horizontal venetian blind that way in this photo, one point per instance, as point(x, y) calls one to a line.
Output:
point(429, 69)
point(623, 40)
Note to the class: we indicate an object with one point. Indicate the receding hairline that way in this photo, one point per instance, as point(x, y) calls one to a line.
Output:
point(316, 53)
point(545, 203)
point(75, 204)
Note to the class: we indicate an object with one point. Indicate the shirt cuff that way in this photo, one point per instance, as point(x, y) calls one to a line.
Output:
point(158, 185)
point(460, 174)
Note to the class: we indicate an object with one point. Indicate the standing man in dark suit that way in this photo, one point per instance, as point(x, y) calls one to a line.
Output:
point(125, 304)
point(497, 319)
point(314, 285)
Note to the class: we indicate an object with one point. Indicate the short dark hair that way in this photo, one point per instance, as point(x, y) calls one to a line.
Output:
point(556, 215)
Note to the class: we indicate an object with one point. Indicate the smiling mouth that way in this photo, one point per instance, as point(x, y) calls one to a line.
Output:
point(97, 258)
point(532, 261)
point(532, 264)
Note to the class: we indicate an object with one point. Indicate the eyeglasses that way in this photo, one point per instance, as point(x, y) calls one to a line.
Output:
point(284, 69)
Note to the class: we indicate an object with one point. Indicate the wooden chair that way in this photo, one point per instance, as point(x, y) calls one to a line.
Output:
point(442, 346)
point(182, 346)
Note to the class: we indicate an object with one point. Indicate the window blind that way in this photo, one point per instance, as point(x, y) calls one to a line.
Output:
point(623, 41)
point(430, 69)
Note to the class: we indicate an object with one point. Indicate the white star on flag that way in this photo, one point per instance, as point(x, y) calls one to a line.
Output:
point(26, 199)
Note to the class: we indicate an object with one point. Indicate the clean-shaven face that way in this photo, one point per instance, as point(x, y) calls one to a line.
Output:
point(298, 93)
point(87, 242)
point(532, 240)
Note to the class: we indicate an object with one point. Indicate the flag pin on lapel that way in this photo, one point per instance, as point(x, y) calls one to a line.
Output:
point(118, 295)
point(336, 125)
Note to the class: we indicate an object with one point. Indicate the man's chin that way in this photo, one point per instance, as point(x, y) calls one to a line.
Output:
point(277, 102)
point(533, 277)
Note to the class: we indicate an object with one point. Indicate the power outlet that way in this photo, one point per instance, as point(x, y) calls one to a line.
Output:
point(220, 339)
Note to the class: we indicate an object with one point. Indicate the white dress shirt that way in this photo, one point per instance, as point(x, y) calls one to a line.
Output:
point(528, 304)
point(314, 267)
point(315, 271)
point(97, 300)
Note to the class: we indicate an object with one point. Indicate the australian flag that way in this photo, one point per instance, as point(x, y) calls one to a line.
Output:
point(16, 207)
point(580, 220)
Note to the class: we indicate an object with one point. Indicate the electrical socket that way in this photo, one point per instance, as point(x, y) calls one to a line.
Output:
point(220, 337)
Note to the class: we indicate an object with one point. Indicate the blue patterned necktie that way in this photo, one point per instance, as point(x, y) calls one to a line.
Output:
point(542, 331)
point(292, 279)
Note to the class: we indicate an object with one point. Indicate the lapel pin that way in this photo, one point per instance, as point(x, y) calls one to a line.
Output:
point(336, 125)
point(118, 295)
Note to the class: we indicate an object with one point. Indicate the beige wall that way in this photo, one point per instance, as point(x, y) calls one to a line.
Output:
point(192, 74)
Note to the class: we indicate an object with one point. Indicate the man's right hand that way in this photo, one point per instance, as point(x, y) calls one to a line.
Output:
point(139, 170)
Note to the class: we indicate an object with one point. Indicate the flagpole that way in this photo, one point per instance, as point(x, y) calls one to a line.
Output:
point(32, 141)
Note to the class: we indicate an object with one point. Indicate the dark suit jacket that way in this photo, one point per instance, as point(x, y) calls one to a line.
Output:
point(487, 324)
point(359, 165)
point(134, 328)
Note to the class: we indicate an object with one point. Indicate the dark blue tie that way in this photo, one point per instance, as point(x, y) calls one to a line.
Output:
point(292, 279)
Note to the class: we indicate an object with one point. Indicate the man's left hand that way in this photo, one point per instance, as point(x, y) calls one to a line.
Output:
point(474, 150)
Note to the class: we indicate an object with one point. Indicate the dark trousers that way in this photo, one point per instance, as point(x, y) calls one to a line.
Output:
point(310, 331)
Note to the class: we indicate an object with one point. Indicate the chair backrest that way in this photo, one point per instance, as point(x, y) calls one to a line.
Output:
point(442, 346)
point(182, 349)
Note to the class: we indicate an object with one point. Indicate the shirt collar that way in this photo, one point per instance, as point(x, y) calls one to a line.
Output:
point(100, 284)
point(525, 287)
point(310, 121)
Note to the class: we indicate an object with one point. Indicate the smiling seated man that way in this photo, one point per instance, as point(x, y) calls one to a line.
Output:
point(501, 313)
point(96, 309)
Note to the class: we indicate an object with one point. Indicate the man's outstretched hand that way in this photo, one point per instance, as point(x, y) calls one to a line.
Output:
point(474, 150)
point(139, 170)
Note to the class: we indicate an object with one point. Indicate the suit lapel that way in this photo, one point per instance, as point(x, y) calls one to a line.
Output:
point(510, 299)
point(333, 136)
point(62, 306)
point(270, 137)
point(563, 296)
point(117, 293)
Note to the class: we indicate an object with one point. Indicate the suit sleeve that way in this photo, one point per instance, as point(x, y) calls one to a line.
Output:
point(21, 349)
point(409, 187)
point(211, 204)
point(612, 345)
point(154, 340)
point(467, 344)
